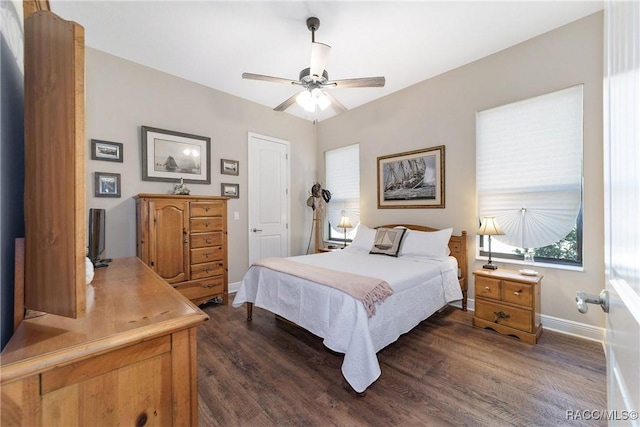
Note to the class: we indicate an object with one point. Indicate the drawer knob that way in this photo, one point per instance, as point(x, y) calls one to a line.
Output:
point(206, 209)
point(207, 270)
point(207, 254)
point(207, 286)
point(487, 288)
point(517, 293)
point(207, 240)
point(500, 315)
point(207, 224)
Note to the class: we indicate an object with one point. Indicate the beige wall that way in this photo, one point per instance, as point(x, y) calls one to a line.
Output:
point(121, 96)
point(441, 111)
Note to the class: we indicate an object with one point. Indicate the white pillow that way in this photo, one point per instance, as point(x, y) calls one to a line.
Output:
point(426, 244)
point(363, 240)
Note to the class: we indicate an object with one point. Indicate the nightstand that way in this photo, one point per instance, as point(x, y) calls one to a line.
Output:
point(323, 249)
point(509, 303)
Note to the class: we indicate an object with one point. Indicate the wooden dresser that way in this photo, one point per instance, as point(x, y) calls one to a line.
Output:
point(130, 361)
point(509, 303)
point(184, 240)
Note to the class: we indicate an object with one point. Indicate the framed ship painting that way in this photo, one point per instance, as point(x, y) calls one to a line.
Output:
point(413, 179)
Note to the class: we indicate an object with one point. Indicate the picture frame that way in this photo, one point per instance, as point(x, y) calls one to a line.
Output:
point(413, 179)
point(170, 156)
point(107, 184)
point(229, 167)
point(107, 150)
point(230, 190)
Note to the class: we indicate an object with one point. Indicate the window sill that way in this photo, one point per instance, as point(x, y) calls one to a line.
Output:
point(530, 266)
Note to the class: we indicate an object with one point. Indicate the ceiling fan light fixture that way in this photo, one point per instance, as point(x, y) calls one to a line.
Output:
point(320, 99)
point(305, 100)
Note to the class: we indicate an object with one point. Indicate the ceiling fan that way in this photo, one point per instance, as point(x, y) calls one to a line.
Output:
point(315, 79)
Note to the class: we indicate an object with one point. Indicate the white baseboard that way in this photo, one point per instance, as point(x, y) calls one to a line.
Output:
point(563, 326)
point(233, 287)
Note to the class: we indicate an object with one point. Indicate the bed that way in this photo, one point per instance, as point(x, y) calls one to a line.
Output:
point(423, 278)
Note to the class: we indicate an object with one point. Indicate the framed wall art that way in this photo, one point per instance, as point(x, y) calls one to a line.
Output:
point(230, 190)
point(106, 184)
point(106, 150)
point(413, 179)
point(229, 167)
point(170, 156)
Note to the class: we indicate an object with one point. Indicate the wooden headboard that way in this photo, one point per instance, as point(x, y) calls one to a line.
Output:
point(458, 248)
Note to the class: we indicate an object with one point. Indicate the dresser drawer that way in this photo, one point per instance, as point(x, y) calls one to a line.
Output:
point(207, 209)
point(201, 240)
point(208, 254)
point(198, 289)
point(487, 287)
point(200, 224)
point(516, 293)
point(501, 314)
point(207, 269)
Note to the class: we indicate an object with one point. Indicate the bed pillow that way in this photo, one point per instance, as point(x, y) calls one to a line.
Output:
point(387, 241)
point(363, 239)
point(426, 244)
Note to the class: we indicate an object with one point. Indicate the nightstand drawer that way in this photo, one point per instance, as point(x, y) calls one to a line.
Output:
point(501, 314)
point(516, 293)
point(487, 287)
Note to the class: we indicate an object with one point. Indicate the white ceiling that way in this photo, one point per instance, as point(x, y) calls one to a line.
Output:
point(214, 42)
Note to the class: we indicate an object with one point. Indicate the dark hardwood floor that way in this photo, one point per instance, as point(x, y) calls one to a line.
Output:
point(444, 372)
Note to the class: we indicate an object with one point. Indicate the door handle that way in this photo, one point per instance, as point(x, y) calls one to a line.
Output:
point(582, 299)
point(255, 230)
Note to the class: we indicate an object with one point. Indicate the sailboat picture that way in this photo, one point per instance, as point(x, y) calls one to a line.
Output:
point(412, 179)
point(383, 240)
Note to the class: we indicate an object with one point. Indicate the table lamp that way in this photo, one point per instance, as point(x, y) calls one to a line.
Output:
point(344, 224)
point(489, 227)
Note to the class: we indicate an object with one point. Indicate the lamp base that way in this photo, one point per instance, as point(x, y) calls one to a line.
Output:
point(490, 267)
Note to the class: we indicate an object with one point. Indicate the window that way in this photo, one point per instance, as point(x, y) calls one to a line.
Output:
point(529, 176)
point(342, 172)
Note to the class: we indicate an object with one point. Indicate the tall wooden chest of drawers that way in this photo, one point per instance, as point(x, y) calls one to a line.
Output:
point(184, 240)
point(509, 303)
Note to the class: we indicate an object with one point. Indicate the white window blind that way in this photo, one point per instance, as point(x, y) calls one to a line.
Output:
point(342, 172)
point(529, 167)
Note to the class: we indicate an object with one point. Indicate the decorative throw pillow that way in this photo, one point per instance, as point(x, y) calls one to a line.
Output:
point(387, 241)
point(363, 239)
point(426, 244)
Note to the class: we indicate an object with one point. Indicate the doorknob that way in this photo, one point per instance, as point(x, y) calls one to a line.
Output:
point(255, 230)
point(583, 299)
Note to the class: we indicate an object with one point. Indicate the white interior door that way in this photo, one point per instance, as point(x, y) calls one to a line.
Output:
point(622, 209)
point(268, 197)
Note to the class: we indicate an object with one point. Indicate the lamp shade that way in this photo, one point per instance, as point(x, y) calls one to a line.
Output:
point(344, 221)
point(489, 227)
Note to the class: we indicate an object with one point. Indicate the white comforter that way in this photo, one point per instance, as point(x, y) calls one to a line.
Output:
point(420, 288)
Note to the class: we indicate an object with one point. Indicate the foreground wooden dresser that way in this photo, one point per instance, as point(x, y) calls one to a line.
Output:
point(184, 240)
point(130, 361)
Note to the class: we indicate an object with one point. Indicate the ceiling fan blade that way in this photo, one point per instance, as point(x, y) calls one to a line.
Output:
point(335, 104)
point(286, 103)
point(319, 58)
point(361, 82)
point(262, 77)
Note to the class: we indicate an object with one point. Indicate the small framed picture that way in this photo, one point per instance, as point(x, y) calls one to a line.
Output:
point(106, 184)
point(106, 150)
point(230, 190)
point(229, 167)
